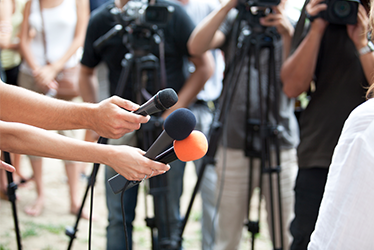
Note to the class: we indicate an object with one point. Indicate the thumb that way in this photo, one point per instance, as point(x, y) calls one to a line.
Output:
point(126, 104)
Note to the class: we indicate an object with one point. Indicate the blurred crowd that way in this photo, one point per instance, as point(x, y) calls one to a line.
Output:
point(242, 68)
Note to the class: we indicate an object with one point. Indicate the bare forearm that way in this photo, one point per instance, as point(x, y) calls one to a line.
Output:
point(41, 111)
point(26, 139)
point(204, 68)
point(203, 38)
point(297, 71)
point(367, 62)
point(127, 161)
point(88, 85)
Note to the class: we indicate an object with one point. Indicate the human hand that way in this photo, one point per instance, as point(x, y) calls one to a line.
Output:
point(131, 163)
point(313, 8)
point(229, 4)
point(278, 19)
point(6, 167)
point(111, 117)
point(45, 74)
point(45, 78)
point(358, 32)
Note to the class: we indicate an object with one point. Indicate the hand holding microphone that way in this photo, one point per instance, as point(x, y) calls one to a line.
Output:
point(178, 126)
point(115, 122)
point(191, 148)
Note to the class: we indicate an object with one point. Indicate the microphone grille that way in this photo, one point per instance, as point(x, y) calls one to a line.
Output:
point(168, 97)
point(180, 123)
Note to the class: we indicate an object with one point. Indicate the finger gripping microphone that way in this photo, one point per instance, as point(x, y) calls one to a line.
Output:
point(161, 101)
point(178, 126)
point(192, 148)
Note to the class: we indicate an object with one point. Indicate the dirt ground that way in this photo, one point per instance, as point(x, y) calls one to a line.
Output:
point(47, 231)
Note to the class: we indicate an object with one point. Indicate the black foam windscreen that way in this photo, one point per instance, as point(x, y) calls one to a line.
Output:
point(180, 123)
point(168, 97)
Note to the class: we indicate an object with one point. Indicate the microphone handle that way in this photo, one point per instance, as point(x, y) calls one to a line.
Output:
point(118, 183)
point(167, 156)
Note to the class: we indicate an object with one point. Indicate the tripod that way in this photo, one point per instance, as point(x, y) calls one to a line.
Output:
point(12, 198)
point(250, 42)
point(141, 67)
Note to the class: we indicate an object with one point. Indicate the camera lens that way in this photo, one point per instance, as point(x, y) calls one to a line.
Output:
point(342, 8)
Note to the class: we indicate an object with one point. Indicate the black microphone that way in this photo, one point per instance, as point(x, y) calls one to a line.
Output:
point(161, 101)
point(178, 126)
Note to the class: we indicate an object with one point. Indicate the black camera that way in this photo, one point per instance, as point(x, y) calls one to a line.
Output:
point(341, 11)
point(260, 3)
point(145, 15)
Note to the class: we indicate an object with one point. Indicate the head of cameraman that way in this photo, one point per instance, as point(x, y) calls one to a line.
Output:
point(336, 57)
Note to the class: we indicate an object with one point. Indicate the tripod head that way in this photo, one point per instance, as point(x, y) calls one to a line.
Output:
point(144, 24)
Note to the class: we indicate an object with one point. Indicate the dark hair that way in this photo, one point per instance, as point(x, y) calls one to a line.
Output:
point(366, 4)
point(370, 91)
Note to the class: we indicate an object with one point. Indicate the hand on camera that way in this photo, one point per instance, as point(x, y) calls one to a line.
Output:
point(278, 19)
point(229, 4)
point(358, 32)
point(313, 8)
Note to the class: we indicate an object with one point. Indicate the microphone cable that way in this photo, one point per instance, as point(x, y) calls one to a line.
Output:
point(124, 217)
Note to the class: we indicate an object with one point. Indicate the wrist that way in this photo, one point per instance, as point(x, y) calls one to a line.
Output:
point(227, 6)
point(87, 114)
point(368, 48)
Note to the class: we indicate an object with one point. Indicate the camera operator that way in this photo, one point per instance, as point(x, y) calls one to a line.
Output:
point(337, 57)
point(216, 31)
point(176, 34)
point(24, 112)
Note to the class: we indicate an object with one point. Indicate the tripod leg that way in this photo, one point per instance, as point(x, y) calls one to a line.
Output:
point(12, 198)
point(71, 231)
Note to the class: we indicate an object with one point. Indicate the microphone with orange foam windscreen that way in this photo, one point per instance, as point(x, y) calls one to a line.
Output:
point(192, 148)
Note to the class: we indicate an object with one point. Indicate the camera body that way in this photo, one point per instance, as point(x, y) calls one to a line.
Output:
point(341, 11)
point(144, 22)
point(259, 3)
point(142, 14)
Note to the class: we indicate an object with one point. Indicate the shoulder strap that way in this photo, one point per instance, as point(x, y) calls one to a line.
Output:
point(43, 32)
point(299, 28)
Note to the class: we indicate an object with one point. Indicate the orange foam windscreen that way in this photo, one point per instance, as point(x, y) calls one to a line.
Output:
point(192, 148)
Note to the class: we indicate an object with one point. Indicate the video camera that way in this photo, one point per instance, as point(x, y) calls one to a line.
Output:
point(253, 10)
point(145, 15)
point(259, 3)
point(341, 11)
point(144, 22)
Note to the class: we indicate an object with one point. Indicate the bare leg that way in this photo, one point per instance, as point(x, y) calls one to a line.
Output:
point(3, 185)
point(37, 207)
point(73, 173)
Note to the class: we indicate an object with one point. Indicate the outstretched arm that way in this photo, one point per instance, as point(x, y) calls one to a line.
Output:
point(126, 160)
point(108, 118)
